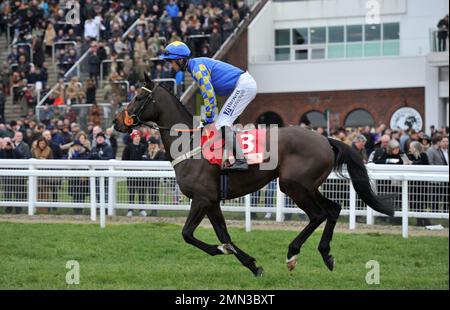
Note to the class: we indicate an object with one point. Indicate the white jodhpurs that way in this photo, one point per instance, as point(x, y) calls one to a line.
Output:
point(243, 94)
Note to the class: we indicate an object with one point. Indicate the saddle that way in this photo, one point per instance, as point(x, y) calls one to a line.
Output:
point(253, 143)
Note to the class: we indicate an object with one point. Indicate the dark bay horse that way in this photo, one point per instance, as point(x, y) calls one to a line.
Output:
point(305, 159)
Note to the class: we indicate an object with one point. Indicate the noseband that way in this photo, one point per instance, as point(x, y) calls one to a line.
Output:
point(135, 119)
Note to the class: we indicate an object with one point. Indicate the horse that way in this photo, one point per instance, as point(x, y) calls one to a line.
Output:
point(305, 160)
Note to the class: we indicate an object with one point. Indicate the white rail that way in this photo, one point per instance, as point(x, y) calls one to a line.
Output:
point(422, 190)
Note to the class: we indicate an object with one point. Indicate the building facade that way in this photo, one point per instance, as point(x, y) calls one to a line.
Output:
point(357, 62)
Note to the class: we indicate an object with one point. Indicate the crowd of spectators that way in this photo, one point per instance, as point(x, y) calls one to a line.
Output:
point(38, 28)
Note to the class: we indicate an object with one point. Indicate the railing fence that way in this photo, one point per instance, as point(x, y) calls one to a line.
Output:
point(421, 192)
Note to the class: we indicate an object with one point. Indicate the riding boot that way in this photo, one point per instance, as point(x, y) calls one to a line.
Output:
point(240, 163)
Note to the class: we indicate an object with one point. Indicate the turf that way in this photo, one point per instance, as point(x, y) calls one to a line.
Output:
point(154, 256)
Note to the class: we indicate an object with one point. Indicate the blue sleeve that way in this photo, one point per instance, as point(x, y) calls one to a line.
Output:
point(203, 78)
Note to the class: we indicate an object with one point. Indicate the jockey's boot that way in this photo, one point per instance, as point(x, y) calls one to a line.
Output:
point(240, 163)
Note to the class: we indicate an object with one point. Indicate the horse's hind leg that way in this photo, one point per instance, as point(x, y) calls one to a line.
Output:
point(333, 209)
point(196, 215)
point(317, 215)
point(228, 247)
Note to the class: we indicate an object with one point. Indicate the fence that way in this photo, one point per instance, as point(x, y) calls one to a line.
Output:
point(421, 191)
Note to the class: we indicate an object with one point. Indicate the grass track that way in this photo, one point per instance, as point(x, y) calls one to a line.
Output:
point(154, 256)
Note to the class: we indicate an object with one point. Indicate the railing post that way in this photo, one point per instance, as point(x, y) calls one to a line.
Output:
point(93, 199)
point(280, 203)
point(32, 192)
point(369, 216)
point(352, 215)
point(405, 208)
point(111, 193)
point(102, 202)
point(248, 213)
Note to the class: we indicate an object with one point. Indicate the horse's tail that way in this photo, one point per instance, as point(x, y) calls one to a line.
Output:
point(358, 174)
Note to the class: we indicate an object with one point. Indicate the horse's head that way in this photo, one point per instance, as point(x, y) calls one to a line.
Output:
point(140, 110)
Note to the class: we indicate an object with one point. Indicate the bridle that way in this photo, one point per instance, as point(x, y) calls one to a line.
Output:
point(135, 119)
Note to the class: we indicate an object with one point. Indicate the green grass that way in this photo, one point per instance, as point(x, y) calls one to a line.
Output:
point(154, 256)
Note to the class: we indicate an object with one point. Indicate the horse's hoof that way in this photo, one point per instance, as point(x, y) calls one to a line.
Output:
point(291, 263)
point(259, 272)
point(330, 262)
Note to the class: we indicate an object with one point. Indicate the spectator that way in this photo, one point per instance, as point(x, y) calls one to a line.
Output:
point(444, 148)
point(111, 137)
point(135, 151)
point(152, 184)
point(417, 154)
point(2, 106)
point(21, 146)
point(95, 114)
point(90, 91)
point(392, 155)
point(42, 150)
point(426, 142)
point(380, 148)
point(443, 34)
point(359, 146)
point(102, 150)
point(413, 136)
point(78, 186)
point(12, 186)
point(172, 9)
point(435, 154)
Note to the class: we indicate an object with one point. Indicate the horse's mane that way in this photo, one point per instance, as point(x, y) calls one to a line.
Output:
point(175, 98)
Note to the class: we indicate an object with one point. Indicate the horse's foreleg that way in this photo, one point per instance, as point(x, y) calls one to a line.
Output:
point(196, 215)
point(218, 222)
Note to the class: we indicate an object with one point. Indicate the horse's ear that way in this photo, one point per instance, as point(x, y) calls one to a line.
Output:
point(148, 80)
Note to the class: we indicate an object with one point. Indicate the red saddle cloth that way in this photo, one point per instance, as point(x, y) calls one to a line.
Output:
point(253, 144)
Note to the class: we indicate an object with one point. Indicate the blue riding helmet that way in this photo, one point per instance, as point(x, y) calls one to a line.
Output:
point(176, 50)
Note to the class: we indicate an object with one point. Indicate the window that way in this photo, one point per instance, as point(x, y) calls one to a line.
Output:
point(337, 41)
point(354, 50)
point(300, 36)
point(391, 31)
point(391, 48)
point(336, 34)
point(372, 49)
point(336, 51)
point(301, 55)
point(314, 119)
point(359, 118)
point(318, 35)
point(282, 37)
point(282, 54)
point(270, 118)
point(354, 33)
point(373, 32)
point(318, 53)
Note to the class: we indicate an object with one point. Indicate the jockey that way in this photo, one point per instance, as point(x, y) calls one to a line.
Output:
point(217, 78)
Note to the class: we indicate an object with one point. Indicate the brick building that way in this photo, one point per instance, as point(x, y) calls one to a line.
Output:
point(357, 63)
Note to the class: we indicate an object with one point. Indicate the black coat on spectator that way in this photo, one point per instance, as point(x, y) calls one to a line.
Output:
point(422, 160)
point(386, 159)
point(24, 150)
point(10, 154)
point(443, 26)
point(2, 107)
point(102, 152)
point(135, 152)
point(94, 64)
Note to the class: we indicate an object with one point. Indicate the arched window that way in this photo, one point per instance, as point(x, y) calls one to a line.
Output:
point(359, 118)
point(314, 119)
point(270, 118)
